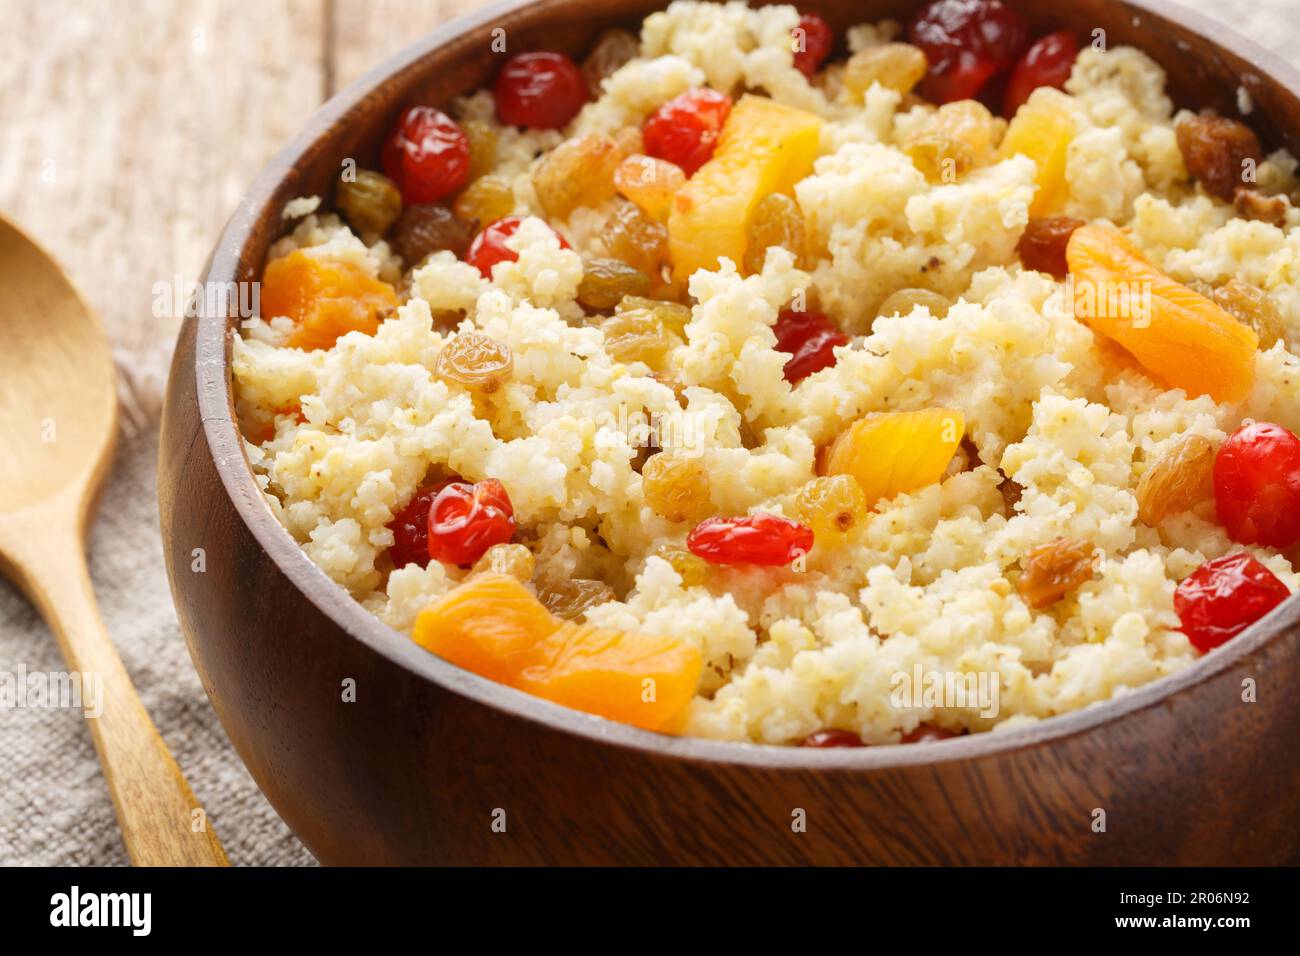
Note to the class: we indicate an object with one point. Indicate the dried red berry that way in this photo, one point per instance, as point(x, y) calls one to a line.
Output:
point(539, 90)
point(966, 42)
point(924, 733)
point(489, 246)
point(811, 339)
point(757, 539)
point(1223, 597)
point(410, 528)
point(465, 520)
point(1047, 63)
point(426, 154)
point(816, 38)
point(1257, 485)
point(832, 737)
point(685, 130)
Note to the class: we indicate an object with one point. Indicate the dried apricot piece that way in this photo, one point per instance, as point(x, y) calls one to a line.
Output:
point(897, 452)
point(1042, 130)
point(1179, 336)
point(765, 147)
point(644, 680)
point(1181, 477)
point(1055, 569)
point(492, 625)
point(325, 298)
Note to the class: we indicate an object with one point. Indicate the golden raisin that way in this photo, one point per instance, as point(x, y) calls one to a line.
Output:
point(638, 335)
point(676, 488)
point(1053, 570)
point(476, 361)
point(635, 238)
point(1253, 306)
point(484, 201)
point(775, 221)
point(1180, 478)
point(605, 282)
point(578, 172)
point(651, 183)
point(673, 315)
point(1218, 152)
point(630, 140)
point(1042, 244)
point(956, 139)
point(571, 598)
point(904, 301)
point(512, 559)
point(482, 138)
point(371, 202)
point(426, 229)
point(1254, 205)
point(692, 569)
point(832, 506)
point(613, 49)
point(895, 66)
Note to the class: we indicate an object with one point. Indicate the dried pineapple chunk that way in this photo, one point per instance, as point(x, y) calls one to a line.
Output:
point(765, 147)
point(1042, 130)
point(897, 452)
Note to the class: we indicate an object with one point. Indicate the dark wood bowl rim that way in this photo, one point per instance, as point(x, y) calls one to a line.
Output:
point(215, 394)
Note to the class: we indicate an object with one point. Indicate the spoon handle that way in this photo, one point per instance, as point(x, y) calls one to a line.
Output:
point(161, 820)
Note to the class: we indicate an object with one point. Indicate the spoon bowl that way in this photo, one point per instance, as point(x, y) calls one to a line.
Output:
point(58, 426)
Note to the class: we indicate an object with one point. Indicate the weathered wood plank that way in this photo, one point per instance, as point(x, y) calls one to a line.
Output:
point(132, 128)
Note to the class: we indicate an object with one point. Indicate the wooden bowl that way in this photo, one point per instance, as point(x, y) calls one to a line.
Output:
point(432, 764)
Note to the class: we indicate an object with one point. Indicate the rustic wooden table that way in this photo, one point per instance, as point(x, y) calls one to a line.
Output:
point(132, 127)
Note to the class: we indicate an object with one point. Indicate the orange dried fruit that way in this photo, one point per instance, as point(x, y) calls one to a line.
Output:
point(325, 298)
point(1179, 336)
point(895, 66)
point(765, 147)
point(1180, 478)
point(1042, 130)
point(494, 626)
point(490, 625)
point(578, 172)
point(1055, 569)
point(956, 139)
point(651, 183)
point(897, 452)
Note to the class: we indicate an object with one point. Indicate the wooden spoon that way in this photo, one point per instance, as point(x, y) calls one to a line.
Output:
point(58, 423)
